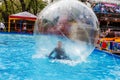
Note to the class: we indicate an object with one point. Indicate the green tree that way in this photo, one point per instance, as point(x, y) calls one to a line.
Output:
point(9, 7)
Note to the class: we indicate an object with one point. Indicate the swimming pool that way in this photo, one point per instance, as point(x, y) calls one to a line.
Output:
point(17, 63)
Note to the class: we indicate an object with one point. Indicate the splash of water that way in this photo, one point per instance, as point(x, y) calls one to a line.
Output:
point(77, 52)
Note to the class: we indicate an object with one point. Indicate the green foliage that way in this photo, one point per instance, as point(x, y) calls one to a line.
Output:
point(9, 7)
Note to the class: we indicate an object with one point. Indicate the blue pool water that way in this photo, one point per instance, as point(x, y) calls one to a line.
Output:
point(17, 63)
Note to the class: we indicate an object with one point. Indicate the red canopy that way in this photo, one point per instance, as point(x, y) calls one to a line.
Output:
point(23, 15)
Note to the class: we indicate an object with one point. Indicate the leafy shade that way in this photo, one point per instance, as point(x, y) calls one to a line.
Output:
point(9, 7)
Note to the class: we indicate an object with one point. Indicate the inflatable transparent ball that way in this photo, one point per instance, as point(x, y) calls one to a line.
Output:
point(72, 23)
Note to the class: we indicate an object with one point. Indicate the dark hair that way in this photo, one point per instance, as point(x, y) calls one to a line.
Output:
point(83, 0)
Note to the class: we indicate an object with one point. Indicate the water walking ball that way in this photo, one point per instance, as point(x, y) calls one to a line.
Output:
point(73, 21)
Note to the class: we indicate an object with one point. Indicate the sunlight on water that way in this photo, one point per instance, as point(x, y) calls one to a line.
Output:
point(19, 60)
